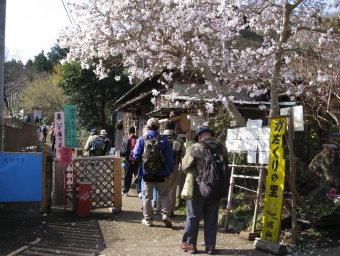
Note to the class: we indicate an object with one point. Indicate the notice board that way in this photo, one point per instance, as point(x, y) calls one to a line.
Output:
point(20, 177)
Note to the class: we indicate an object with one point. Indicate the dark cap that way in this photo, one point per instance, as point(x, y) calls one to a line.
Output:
point(94, 131)
point(203, 129)
point(131, 129)
point(169, 125)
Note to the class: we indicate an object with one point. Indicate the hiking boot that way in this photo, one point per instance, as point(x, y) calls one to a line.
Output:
point(166, 220)
point(190, 248)
point(147, 222)
point(210, 249)
point(158, 211)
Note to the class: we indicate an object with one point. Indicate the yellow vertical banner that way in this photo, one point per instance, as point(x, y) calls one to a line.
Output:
point(271, 221)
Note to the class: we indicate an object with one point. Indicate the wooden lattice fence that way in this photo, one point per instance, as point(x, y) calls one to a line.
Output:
point(104, 174)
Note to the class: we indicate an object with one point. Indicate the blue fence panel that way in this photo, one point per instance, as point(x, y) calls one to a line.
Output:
point(20, 177)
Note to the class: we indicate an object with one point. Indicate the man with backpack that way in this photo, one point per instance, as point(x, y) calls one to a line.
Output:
point(94, 145)
point(179, 152)
point(107, 142)
point(208, 161)
point(156, 164)
point(131, 163)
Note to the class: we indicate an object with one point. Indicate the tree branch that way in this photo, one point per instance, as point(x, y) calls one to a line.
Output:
point(320, 30)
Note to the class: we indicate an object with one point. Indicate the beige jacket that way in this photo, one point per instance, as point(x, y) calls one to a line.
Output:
point(193, 160)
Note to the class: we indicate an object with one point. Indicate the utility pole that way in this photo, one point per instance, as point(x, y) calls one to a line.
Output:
point(2, 67)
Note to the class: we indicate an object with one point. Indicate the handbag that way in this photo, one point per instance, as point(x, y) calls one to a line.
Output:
point(188, 188)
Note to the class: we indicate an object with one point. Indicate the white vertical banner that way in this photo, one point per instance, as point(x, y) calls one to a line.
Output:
point(59, 132)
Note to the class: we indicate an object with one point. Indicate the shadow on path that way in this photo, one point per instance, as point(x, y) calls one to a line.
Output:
point(55, 234)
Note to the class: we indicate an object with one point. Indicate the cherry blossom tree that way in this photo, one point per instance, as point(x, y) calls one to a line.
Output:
point(203, 38)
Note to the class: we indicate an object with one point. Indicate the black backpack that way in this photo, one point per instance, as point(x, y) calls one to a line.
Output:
point(97, 146)
point(214, 179)
point(152, 158)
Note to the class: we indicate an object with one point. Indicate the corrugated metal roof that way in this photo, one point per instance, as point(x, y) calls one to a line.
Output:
point(240, 102)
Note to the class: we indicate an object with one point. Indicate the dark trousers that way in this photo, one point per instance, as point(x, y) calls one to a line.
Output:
point(197, 208)
point(131, 168)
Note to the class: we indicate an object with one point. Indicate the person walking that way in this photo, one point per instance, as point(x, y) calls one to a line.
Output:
point(200, 205)
point(38, 133)
point(52, 133)
point(156, 164)
point(131, 163)
point(107, 141)
point(94, 145)
point(44, 130)
point(179, 152)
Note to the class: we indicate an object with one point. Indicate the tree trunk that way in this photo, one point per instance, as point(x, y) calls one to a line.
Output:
point(276, 74)
point(231, 108)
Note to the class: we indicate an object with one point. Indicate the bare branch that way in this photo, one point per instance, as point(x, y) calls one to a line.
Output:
point(320, 30)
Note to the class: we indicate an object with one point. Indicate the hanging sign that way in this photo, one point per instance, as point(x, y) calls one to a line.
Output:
point(66, 155)
point(271, 221)
point(70, 116)
point(59, 132)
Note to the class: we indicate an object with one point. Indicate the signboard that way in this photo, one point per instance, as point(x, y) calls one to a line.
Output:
point(20, 177)
point(59, 132)
point(70, 127)
point(271, 221)
point(297, 116)
point(251, 140)
point(66, 155)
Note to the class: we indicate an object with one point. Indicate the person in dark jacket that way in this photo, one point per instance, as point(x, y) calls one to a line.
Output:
point(131, 164)
point(158, 179)
point(107, 141)
point(199, 207)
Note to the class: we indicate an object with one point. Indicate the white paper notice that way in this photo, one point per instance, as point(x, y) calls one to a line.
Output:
point(248, 145)
point(263, 157)
point(232, 134)
point(233, 145)
point(250, 134)
point(254, 123)
point(264, 133)
point(251, 157)
point(241, 132)
point(263, 145)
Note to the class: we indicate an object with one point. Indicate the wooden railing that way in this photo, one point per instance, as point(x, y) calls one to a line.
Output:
point(18, 135)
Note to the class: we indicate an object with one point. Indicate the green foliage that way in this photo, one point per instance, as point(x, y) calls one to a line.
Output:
point(92, 96)
point(43, 94)
point(327, 207)
point(244, 211)
point(56, 55)
point(41, 63)
point(219, 124)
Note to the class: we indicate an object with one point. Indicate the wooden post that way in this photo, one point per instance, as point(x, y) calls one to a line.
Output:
point(117, 184)
point(258, 197)
point(290, 142)
point(43, 205)
point(230, 195)
point(278, 249)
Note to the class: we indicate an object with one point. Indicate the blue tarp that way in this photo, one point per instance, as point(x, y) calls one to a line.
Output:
point(20, 177)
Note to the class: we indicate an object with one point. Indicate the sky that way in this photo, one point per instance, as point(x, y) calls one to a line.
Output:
point(32, 26)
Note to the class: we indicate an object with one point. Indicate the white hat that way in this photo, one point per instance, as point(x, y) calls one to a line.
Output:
point(103, 132)
point(153, 122)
